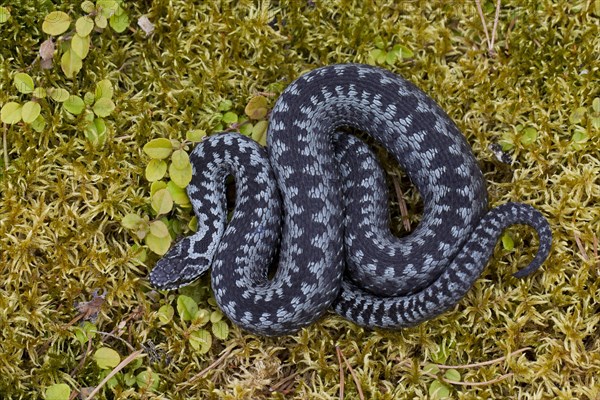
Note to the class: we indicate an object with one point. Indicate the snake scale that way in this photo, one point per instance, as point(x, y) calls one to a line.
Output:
point(317, 206)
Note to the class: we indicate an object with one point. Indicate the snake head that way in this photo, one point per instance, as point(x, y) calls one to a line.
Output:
point(180, 266)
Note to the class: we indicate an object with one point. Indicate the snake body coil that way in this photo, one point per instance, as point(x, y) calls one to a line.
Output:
point(320, 198)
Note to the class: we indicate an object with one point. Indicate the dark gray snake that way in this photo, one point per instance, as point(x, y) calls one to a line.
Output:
point(317, 204)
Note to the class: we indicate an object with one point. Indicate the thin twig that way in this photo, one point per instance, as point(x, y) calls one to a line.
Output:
point(342, 381)
point(495, 28)
point(361, 396)
point(581, 248)
point(401, 204)
point(484, 363)
point(116, 337)
point(80, 365)
point(112, 373)
point(485, 383)
point(5, 146)
point(281, 386)
point(482, 17)
point(210, 367)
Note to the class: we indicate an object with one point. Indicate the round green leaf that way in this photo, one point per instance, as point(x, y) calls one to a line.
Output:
point(246, 129)
point(180, 159)
point(106, 358)
point(156, 186)
point(58, 94)
point(402, 52)
point(70, 63)
point(84, 25)
point(528, 136)
point(179, 195)
point(431, 369)
point(155, 170)
point(11, 113)
point(23, 82)
point(195, 135)
point(162, 202)
point(391, 58)
point(259, 132)
point(216, 316)
point(438, 390)
point(159, 229)
point(119, 22)
point(507, 241)
point(201, 341)
point(107, 7)
point(158, 245)
point(181, 177)
point(131, 221)
point(202, 317)
point(158, 148)
point(186, 307)
point(147, 380)
point(103, 107)
point(56, 23)
point(220, 329)
point(95, 131)
point(74, 105)
point(165, 313)
point(39, 93)
point(31, 110)
point(225, 105)
point(257, 107)
point(4, 15)
point(452, 375)
point(104, 90)
point(230, 117)
point(39, 124)
point(58, 391)
point(80, 45)
point(100, 21)
point(578, 115)
point(88, 6)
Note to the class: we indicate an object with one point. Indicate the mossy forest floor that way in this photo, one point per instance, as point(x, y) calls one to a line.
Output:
point(63, 196)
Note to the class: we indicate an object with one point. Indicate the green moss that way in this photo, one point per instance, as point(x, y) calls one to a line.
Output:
point(62, 198)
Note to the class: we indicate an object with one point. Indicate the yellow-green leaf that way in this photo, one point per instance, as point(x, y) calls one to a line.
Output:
point(119, 22)
point(11, 113)
point(4, 15)
point(58, 94)
point(58, 391)
point(159, 229)
point(100, 21)
point(179, 195)
point(74, 105)
point(70, 63)
point(80, 45)
point(181, 177)
point(84, 25)
point(158, 148)
point(256, 107)
point(186, 307)
point(180, 159)
point(155, 170)
point(165, 313)
point(104, 90)
point(195, 135)
point(507, 241)
point(88, 98)
point(216, 316)
point(528, 136)
point(39, 93)
point(162, 202)
point(103, 107)
point(193, 224)
point(106, 358)
point(452, 375)
point(31, 110)
point(220, 329)
point(107, 7)
point(88, 6)
point(201, 340)
point(56, 23)
point(158, 245)
point(156, 186)
point(131, 221)
point(147, 380)
point(202, 317)
point(259, 132)
point(230, 117)
point(39, 124)
point(23, 82)
point(438, 390)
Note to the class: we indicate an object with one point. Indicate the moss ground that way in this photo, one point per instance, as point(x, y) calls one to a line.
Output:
point(62, 198)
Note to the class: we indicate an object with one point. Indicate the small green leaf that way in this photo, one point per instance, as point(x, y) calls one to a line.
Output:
point(88, 7)
point(186, 307)
point(101, 21)
point(379, 43)
point(119, 22)
point(431, 369)
point(158, 245)
point(220, 329)
point(193, 224)
point(80, 45)
point(106, 358)
point(4, 15)
point(578, 115)
point(596, 105)
point(202, 317)
point(225, 105)
point(508, 242)
point(156, 186)
point(85, 332)
point(11, 113)
point(165, 313)
point(257, 107)
point(452, 375)
point(39, 93)
point(147, 380)
point(528, 136)
point(179, 195)
point(181, 177)
point(259, 132)
point(39, 124)
point(155, 170)
point(31, 110)
point(88, 98)
point(230, 117)
point(56, 23)
point(438, 390)
point(84, 25)
point(201, 341)
point(104, 90)
point(70, 63)
point(195, 135)
point(391, 58)
point(74, 105)
point(162, 202)
point(95, 131)
point(159, 229)
point(246, 129)
point(107, 7)
point(58, 391)
point(402, 52)
point(23, 82)
point(58, 94)
point(103, 107)
point(216, 316)
point(131, 221)
point(158, 148)
point(180, 159)
point(377, 56)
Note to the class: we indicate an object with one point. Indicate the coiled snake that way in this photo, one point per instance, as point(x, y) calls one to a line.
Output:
point(317, 205)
